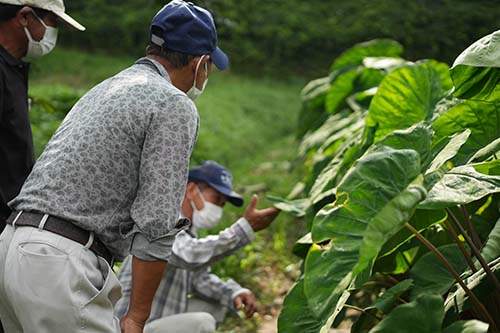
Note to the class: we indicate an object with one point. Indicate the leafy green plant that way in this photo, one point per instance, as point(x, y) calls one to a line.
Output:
point(402, 186)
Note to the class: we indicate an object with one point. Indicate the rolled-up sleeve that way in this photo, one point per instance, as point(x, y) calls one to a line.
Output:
point(194, 253)
point(164, 165)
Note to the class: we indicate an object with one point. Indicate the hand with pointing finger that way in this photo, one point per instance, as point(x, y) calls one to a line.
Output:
point(259, 219)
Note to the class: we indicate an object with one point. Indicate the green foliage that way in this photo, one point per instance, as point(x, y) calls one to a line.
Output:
point(294, 36)
point(429, 275)
point(406, 96)
point(424, 315)
point(385, 178)
point(49, 105)
point(491, 249)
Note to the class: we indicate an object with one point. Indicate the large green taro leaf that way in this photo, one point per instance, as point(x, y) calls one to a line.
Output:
point(295, 207)
point(377, 177)
point(418, 137)
point(313, 114)
point(407, 96)
point(296, 317)
point(301, 247)
point(476, 71)
point(341, 87)
point(421, 220)
point(348, 152)
point(423, 315)
point(469, 326)
point(295, 314)
point(429, 274)
point(476, 83)
point(459, 186)
point(487, 152)
point(348, 82)
point(334, 125)
point(491, 168)
point(374, 200)
point(446, 149)
point(327, 275)
point(481, 118)
point(491, 249)
point(333, 144)
point(374, 48)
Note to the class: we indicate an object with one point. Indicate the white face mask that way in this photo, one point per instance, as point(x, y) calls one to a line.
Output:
point(208, 217)
point(43, 46)
point(193, 92)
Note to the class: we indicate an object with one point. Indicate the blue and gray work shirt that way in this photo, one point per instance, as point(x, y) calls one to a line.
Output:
point(118, 164)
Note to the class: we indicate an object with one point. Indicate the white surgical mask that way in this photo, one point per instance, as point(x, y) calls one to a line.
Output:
point(43, 46)
point(193, 92)
point(208, 217)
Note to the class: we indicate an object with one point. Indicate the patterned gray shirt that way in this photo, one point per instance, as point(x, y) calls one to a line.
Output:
point(118, 164)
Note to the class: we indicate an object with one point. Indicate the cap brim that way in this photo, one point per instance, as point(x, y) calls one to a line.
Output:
point(220, 59)
point(232, 197)
point(71, 21)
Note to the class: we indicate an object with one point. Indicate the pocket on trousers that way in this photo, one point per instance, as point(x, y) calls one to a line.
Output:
point(42, 250)
point(98, 312)
point(109, 290)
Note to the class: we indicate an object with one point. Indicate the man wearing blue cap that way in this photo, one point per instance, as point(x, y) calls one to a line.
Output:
point(110, 182)
point(209, 188)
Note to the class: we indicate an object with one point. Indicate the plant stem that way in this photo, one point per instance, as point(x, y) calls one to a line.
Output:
point(472, 231)
point(392, 279)
point(466, 254)
point(477, 304)
point(476, 252)
point(362, 311)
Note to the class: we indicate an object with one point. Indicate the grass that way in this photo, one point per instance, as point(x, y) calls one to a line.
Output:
point(247, 124)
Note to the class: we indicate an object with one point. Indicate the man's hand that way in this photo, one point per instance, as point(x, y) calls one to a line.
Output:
point(248, 300)
point(129, 325)
point(259, 219)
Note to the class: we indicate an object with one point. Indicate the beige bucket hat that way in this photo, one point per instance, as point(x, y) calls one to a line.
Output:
point(54, 6)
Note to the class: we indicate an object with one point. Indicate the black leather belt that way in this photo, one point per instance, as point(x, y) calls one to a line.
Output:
point(63, 228)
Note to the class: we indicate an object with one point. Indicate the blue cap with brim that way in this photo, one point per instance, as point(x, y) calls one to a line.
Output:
point(217, 177)
point(183, 27)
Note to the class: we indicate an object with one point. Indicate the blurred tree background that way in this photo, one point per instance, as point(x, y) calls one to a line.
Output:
point(277, 37)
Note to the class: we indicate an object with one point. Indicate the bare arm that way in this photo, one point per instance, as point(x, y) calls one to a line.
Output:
point(146, 276)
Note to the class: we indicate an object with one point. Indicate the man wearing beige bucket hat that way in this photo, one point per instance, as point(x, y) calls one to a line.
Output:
point(28, 28)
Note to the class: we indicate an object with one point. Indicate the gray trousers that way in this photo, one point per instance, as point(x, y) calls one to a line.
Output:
point(201, 317)
point(51, 284)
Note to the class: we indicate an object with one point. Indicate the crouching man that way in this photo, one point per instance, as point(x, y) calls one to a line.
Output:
point(190, 299)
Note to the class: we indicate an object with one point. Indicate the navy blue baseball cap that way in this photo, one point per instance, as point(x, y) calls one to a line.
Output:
point(218, 177)
point(183, 27)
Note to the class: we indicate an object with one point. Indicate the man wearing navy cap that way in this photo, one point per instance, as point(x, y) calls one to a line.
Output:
point(173, 311)
point(110, 182)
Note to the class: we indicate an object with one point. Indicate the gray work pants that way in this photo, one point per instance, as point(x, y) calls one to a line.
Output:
point(51, 284)
point(201, 317)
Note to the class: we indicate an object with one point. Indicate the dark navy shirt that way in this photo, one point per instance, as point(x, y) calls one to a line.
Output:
point(16, 143)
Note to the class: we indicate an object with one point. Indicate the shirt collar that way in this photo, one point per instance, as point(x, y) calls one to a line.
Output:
point(156, 65)
point(9, 59)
